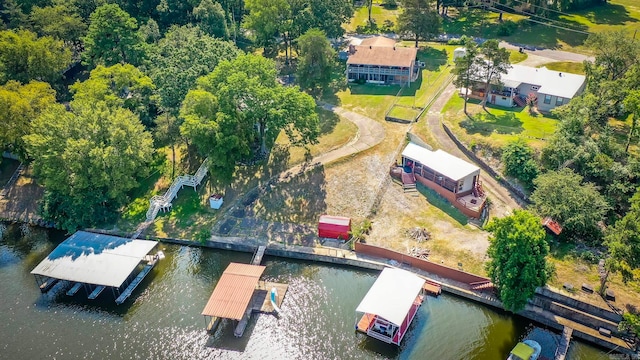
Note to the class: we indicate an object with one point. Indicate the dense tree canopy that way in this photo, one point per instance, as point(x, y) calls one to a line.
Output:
point(25, 57)
point(575, 204)
point(517, 252)
point(20, 105)
point(212, 18)
point(183, 55)
point(315, 60)
point(623, 242)
point(87, 159)
point(60, 21)
point(239, 94)
point(120, 86)
point(112, 38)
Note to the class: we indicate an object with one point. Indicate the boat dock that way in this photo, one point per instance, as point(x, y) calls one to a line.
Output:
point(563, 347)
point(261, 302)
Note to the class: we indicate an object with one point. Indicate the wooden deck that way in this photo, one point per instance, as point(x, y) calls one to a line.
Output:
point(365, 322)
point(134, 284)
point(432, 288)
point(261, 302)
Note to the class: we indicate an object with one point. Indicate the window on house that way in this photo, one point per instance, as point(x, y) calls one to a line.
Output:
point(535, 88)
point(559, 101)
point(547, 99)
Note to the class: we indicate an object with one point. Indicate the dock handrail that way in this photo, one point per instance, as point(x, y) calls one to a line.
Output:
point(163, 202)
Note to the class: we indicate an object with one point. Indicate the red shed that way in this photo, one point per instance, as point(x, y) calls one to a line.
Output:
point(336, 227)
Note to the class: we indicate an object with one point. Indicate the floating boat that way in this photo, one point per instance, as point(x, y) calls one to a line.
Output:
point(274, 299)
point(526, 350)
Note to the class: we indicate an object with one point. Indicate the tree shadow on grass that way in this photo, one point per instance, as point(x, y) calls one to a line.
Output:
point(443, 204)
point(609, 14)
point(328, 121)
point(301, 199)
point(487, 123)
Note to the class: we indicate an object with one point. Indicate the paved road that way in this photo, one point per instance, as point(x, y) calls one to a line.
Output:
point(554, 55)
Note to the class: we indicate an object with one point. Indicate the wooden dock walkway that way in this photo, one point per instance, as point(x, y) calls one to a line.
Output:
point(257, 256)
point(563, 347)
point(134, 284)
point(261, 301)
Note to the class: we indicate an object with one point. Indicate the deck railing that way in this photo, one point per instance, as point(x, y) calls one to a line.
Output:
point(163, 202)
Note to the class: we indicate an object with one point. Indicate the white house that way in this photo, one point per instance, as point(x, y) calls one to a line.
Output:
point(455, 179)
point(550, 88)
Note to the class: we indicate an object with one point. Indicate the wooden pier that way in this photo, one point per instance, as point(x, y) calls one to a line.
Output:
point(96, 292)
point(257, 256)
point(261, 301)
point(47, 284)
point(563, 347)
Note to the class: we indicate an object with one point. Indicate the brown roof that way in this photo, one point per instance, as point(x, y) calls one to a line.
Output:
point(552, 225)
point(233, 292)
point(378, 41)
point(383, 56)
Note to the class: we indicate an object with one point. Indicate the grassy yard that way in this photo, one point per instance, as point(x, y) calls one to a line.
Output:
point(378, 14)
point(498, 127)
point(566, 66)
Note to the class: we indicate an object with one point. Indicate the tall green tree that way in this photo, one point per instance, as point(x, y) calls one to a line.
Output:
point(21, 104)
point(223, 138)
point(247, 87)
point(120, 86)
point(419, 19)
point(25, 57)
point(61, 21)
point(13, 15)
point(87, 159)
point(315, 61)
point(576, 205)
point(267, 19)
point(112, 38)
point(632, 104)
point(212, 19)
point(183, 55)
point(623, 243)
point(517, 252)
point(495, 63)
point(467, 68)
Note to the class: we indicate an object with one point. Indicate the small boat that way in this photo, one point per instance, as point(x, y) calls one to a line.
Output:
point(526, 350)
point(274, 299)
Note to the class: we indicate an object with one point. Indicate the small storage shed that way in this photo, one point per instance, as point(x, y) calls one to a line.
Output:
point(335, 227)
point(459, 52)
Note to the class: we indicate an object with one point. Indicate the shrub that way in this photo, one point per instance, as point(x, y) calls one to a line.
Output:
point(507, 28)
point(455, 42)
point(519, 162)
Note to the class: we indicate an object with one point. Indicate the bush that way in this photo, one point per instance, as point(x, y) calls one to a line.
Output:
point(455, 42)
point(390, 4)
point(507, 28)
point(519, 162)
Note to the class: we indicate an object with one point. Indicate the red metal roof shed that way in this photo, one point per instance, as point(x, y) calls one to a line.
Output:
point(335, 227)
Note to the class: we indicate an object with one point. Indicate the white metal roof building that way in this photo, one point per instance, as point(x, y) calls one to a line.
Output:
point(94, 259)
point(442, 162)
point(550, 82)
point(392, 295)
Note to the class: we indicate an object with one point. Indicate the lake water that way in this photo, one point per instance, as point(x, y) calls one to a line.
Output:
point(162, 320)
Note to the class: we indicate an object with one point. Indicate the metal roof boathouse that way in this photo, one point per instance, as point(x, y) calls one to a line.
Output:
point(96, 262)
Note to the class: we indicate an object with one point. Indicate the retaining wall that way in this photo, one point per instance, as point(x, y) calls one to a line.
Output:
point(579, 305)
point(437, 269)
point(485, 166)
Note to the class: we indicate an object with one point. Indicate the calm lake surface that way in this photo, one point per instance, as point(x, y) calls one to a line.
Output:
point(162, 320)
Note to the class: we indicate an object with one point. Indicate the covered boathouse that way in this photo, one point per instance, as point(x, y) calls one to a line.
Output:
point(96, 262)
point(390, 305)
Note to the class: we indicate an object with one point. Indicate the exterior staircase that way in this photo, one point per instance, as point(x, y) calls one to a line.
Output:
point(518, 100)
point(12, 180)
point(163, 202)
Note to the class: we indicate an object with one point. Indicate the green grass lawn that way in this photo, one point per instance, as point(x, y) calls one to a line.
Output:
point(517, 56)
point(566, 66)
point(378, 14)
point(376, 100)
point(616, 14)
point(498, 127)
